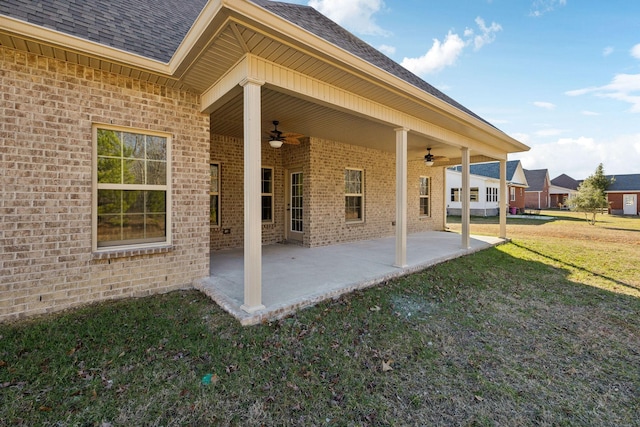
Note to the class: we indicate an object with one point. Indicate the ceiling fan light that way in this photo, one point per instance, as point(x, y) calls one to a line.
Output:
point(428, 162)
point(275, 143)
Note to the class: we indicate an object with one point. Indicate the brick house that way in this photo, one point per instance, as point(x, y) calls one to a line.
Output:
point(485, 188)
point(623, 194)
point(136, 140)
point(561, 189)
point(537, 195)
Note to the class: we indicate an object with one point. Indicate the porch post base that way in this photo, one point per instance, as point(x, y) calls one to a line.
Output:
point(401, 266)
point(252, 309)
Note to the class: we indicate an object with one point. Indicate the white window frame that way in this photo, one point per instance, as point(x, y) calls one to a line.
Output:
point(474, 194)
point(492, 194)
point(425, 196)
point(512, 194)
point(360, 195)
point(215, 193)
point(456, 194)
point(270, 194)
point(167, 241)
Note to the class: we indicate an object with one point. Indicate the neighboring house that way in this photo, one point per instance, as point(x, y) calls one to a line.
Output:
point(485, 188)
point(623, 194)
point(562, 188)
point(537, 195)
point(136, 139)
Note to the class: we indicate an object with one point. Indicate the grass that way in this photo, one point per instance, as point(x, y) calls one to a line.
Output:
point(541, 331)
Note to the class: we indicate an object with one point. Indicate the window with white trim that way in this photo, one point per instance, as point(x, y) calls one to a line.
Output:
point(353, 195)
point(455, 194)
point(512, 192)
point(492, 194)
point(267, 195)
point(214, 195)
point(474, 194)
point(424, 196)
point(132, 197)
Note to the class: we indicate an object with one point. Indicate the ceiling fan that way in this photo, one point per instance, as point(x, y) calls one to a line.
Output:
point(277, 137)
point(430, 158)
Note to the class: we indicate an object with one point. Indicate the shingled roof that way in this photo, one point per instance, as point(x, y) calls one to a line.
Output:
point(150, 28)
point(492, 169)
point(155, 28)
point(565, 181)
point(629, 182)
point(536, 179)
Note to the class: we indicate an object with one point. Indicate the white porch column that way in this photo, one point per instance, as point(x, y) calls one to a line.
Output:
point(401, 197)
point(503, 199)
point(252, 197)
point(465, 196)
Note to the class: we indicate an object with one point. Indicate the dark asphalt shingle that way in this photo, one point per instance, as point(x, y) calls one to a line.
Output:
point(565, 181)
point(536, 179)
point(492, 170)
point(150, 28)
point(630, 182)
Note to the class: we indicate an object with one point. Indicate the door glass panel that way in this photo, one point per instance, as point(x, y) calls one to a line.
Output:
point(296, 202)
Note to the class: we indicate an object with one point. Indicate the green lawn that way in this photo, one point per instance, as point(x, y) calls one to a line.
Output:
point(541, 331)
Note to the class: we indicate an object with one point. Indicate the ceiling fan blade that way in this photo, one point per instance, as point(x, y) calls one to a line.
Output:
point(292, 141)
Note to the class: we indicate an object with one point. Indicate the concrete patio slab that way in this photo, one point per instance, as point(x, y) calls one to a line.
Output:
point(294, 277)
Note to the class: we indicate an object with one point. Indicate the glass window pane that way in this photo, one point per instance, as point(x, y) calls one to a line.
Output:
point(424, 206)
point(109, 170)
point(155, 226)
point(156, 173)
point(109, 143)
point(109, 228)
point(213, 210)
point(156, 148)
point(353, 208)
point(133, 145)
point(133, 226)
point(109, 202)
point(214, 186)
point(133, 172)
point(267, 214)
point(266, 180)
point(133, 202)
point(156, 202)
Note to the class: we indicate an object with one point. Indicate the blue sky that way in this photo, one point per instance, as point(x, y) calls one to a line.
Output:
point(562, 76)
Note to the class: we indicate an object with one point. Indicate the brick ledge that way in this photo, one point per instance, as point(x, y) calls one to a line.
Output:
point(125, 253)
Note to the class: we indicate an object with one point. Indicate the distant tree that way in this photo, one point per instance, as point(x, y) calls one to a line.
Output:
point(591, 197)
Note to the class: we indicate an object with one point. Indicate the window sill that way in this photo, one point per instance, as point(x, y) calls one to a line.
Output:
point(130, 252)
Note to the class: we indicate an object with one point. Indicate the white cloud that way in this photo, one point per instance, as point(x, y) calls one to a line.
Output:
point(607, 51)
point(635, 51)
point(540, 7)
point(579, 157)
point(623, 87)
point(445, 53)
point(438, 57)
point(356, 15)
point(387, 50)
point(488, 33)
point(545, 105)
point(590, 113)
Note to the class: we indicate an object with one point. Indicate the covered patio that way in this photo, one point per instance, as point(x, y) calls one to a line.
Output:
point(295, 277)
